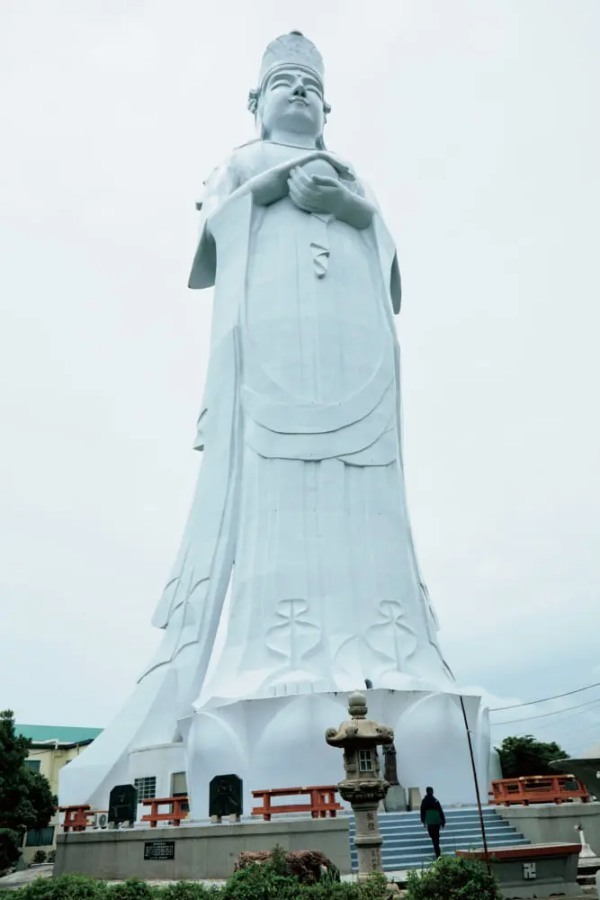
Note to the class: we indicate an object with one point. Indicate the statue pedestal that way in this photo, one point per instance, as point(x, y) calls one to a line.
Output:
point(395, 799)
point(280, 741)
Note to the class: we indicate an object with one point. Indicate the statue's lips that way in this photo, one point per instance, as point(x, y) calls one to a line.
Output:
point(298, 100)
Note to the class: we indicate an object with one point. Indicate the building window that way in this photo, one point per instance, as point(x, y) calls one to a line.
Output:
point(146, 788)
point(178, 784)
point(33, 764)
point(365, 761)
point(179, 788)
point(40, 837)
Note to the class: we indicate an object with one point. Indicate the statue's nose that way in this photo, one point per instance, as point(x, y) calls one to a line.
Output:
point(299, 90)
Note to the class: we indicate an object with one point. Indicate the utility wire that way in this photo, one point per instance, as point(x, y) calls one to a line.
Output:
point(576, 715)
point(544, 699)
point(556, 712)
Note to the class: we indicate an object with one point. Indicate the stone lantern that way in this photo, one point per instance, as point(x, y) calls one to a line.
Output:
point(363, 787)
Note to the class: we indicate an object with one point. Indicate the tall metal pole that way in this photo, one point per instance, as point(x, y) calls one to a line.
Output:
point(481, 822)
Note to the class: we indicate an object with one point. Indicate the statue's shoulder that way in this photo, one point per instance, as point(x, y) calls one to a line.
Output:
point(224, 168)
point(225, 177)
point(255, 142)
point(248, 158)
point(234, 168)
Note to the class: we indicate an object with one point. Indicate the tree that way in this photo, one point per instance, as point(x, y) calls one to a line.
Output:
point(525, 755)
point(26, 800)
point(451, 877)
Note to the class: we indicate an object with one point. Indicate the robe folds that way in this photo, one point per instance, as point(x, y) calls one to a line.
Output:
point(297, 570)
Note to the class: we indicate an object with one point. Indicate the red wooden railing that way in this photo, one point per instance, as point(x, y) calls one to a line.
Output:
point(537, 789)
point(178, 810)
point(76, 818)
point(321, 804)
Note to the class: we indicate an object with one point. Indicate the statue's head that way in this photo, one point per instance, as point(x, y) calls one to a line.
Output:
point(290, 92)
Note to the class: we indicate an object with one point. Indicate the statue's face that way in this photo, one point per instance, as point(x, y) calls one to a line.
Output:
point(292, 99)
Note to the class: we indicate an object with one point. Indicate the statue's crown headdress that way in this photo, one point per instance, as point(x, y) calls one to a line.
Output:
point(291, 49)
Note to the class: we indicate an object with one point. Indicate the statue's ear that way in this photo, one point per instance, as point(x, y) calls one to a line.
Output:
point(253, 96)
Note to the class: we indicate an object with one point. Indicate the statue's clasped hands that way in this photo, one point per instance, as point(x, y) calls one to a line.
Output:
point(313, 187)
point(317, 193)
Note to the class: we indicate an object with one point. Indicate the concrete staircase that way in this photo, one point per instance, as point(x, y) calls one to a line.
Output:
point(406, 844)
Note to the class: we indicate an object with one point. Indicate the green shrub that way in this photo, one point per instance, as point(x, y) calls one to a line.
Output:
point(272, 880)
point(133, 889)
point(9, 848)
point(187, 890)
point(39, 857)
point(255, 882)
point(375, 888)
point(278, 861)
point(66, 887)
point(331, 890)
point(261, 881)
point(451, 878)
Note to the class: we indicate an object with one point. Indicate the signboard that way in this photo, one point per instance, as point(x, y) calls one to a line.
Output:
point(159, 849)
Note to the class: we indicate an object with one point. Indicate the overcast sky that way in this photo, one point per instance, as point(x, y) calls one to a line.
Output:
point(476, 122)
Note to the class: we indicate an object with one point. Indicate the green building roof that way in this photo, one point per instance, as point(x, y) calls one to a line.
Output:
point(64, 734)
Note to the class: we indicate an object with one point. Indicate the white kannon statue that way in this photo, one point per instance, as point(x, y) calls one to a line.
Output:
point(297, 572)
point(300, 521)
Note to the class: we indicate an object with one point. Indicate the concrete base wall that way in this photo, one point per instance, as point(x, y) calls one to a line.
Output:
point(201, 851)
point(542, 870)
point(555, 876)
point(550, 823)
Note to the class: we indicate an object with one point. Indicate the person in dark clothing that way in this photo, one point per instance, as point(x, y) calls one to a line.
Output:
point(433, 818)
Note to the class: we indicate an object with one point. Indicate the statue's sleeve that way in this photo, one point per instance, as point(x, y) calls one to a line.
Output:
point(381, 231)
point(217, 188)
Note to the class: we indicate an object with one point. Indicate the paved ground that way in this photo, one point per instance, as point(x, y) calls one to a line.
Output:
point(19, 879)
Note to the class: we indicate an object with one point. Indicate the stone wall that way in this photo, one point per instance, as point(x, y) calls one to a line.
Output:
point(552, 823)
point(200, 851)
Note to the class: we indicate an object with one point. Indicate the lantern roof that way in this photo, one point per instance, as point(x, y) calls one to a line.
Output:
point(358, 731)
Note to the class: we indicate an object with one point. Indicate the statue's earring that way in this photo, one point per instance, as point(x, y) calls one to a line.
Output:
point(326, 110)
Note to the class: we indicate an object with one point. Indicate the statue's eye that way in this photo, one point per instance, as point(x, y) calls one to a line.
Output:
point(279, 82)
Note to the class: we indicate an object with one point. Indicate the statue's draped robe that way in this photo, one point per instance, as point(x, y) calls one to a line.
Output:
point(297, 570)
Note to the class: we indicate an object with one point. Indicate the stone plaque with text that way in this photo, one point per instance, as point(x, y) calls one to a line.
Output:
point(159, 849)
